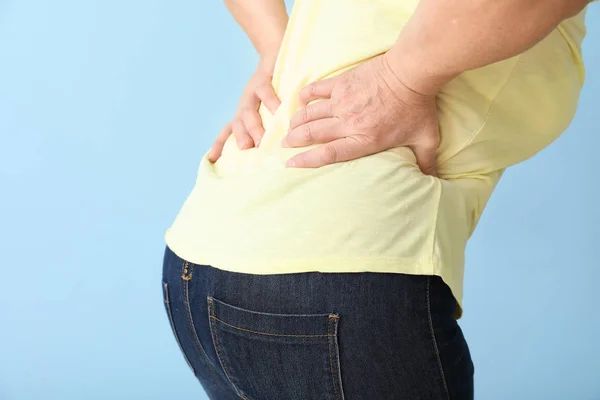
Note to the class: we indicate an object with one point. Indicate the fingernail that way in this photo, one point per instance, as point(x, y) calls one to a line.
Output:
point(290, 163)
point(283, 142)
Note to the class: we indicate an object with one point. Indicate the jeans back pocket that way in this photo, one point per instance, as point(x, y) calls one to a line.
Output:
point(277, 356)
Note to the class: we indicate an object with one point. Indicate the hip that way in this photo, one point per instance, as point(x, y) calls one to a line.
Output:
point(317, 335)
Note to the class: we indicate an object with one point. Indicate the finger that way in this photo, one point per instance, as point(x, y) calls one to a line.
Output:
point(253, 123)
point(217, 148)
point(243, 139)
point(269, 98)
point(321, 109)
point(319, 131)
point(425, 155)
point(316, 90)
point(344, 149)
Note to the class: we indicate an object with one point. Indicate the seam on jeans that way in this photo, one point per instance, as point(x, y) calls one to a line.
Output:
point(435, 346)
point(165, 292)
point(218, 349)
point(172, 324)
point(337, 382)
point(330, 361)
point(265, 333)
point(186, 303)
point(186, 274)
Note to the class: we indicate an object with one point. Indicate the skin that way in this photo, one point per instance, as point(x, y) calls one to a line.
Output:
point(247, 123)
point(264, 21)
point(389, 100)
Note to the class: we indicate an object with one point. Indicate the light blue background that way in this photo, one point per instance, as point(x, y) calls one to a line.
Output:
point(102, 123)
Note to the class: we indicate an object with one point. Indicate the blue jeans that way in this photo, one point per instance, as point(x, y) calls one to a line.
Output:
point(313, 335)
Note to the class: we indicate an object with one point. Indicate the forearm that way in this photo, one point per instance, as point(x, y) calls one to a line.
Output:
point(445, 38)
point(264, 21)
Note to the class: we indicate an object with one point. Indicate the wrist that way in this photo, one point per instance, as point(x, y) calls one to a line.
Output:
point(266, 63)
point(414, 72)
point(268, 56)
point(269, 50)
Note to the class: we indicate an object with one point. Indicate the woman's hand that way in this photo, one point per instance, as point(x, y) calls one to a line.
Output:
point(364, 111)
point(247, 124)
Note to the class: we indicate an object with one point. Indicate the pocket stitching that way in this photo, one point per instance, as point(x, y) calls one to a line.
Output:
point(336, 382)
point(435, 346)
point(215, 340)
point(266, 333)
point(332, 318)
point(167, 301)
point(330, 361)
point(337, 358)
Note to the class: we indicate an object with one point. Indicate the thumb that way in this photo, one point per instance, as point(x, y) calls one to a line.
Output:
point(426, 158)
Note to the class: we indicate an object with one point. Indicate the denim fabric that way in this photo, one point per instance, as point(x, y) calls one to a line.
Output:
point(313, 335)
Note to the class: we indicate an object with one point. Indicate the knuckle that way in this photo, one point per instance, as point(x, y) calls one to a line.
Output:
point(246, 113)
point(308, 91)
point(250, 123)
point(345, 89)
point(431, 142)
point(345, 79)
point(303, 95)
point(306, 133)
point(365, 141)
point(355, 119)
point(331, 153)
point(262, 89)
point(305, 114)
point(312, 88)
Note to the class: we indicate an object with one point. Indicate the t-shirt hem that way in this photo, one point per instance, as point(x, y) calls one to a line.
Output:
point(431, 265)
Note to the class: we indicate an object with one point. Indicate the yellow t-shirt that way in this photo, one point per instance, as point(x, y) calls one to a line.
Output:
point(248, 213)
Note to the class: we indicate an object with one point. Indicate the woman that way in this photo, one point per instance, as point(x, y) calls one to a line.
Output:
point(320, 253)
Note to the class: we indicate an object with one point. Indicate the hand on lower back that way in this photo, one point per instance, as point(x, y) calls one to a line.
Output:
point(363, 111)
point(247, 124)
